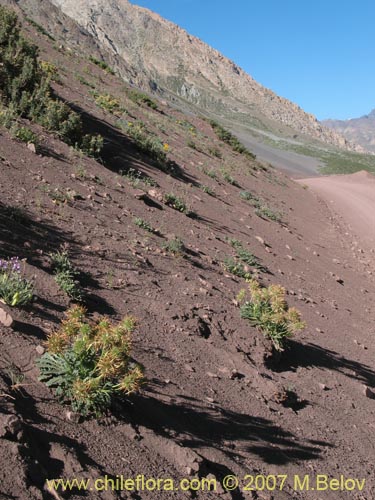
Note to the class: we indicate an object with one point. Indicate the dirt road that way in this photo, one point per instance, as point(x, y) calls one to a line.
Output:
point(353, 198)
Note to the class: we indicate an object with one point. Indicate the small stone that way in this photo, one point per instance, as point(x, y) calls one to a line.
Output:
point(5, 316)
point(10, 425)
point(40, 349)
point(139, 194)
point(73, 416)
point(260, 239)
point(31, 147)
point(369, 393)
point(212, 375)
point(323, 387)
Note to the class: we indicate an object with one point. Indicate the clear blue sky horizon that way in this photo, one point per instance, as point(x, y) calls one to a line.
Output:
point(317, 54)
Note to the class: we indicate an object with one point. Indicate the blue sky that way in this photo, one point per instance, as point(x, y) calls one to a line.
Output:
point(317, 53)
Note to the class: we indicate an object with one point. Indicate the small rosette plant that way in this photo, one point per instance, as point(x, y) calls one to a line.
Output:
point(88, 364)
point(15, 290)
point(268, 310)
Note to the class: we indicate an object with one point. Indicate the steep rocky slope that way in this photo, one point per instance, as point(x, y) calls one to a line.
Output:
point(359, 130)
point(216, 402)
point(156, 55)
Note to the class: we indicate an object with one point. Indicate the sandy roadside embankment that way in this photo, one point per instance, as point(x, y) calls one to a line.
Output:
point(353, 198)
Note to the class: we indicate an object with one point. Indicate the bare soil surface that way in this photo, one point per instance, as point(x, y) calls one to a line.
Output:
point(352, 197)
point(217, 401)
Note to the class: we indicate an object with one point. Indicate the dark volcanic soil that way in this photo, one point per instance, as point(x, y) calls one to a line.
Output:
point(213, 402)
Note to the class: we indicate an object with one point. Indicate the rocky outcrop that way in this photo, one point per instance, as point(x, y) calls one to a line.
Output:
point(156, 55)
point(359, 130)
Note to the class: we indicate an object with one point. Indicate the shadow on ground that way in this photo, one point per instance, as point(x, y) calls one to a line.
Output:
point(312, 355)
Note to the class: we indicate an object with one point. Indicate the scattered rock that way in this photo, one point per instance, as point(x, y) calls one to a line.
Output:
point(40, 349)
point(31, 147)
point(73, 416)
point(261, 240)
point(5, 316)
point(10, 425)
point(139, 194)
point(369, 393)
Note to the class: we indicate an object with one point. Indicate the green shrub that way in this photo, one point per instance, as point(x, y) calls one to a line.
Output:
point(88, 364)
point(236, 268)
point(91, 145)
point(143, 224)
point(175, 202)
point(145, 142)
point(25, 85)
point(39, 28)
point(8, 116)
point(101, 64)
point(136, 177)
point(215, 152)
point(175, 246)
point(14, 289)
point(207, 189)
point(59, 118)
point(83, 80)
point(228, 178)
point(141, 98)
point(24, 134)
point(66, 275)
point(267, 310)
point(20, 73)
point(245, 256)
point(211, 173)
point(267, 213)
point(107, 102)
point(232, 140)
point(252, 198)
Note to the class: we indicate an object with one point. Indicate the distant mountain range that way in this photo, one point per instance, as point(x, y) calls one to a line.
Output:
point(359, 130)
point(158, 56)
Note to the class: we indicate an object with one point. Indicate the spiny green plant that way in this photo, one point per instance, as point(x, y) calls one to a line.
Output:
point(88, 363)
point(267, 309)
point(175, 246)
point(15, 290)
point(175, 202)
point(66, 275)
point(230, 139)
